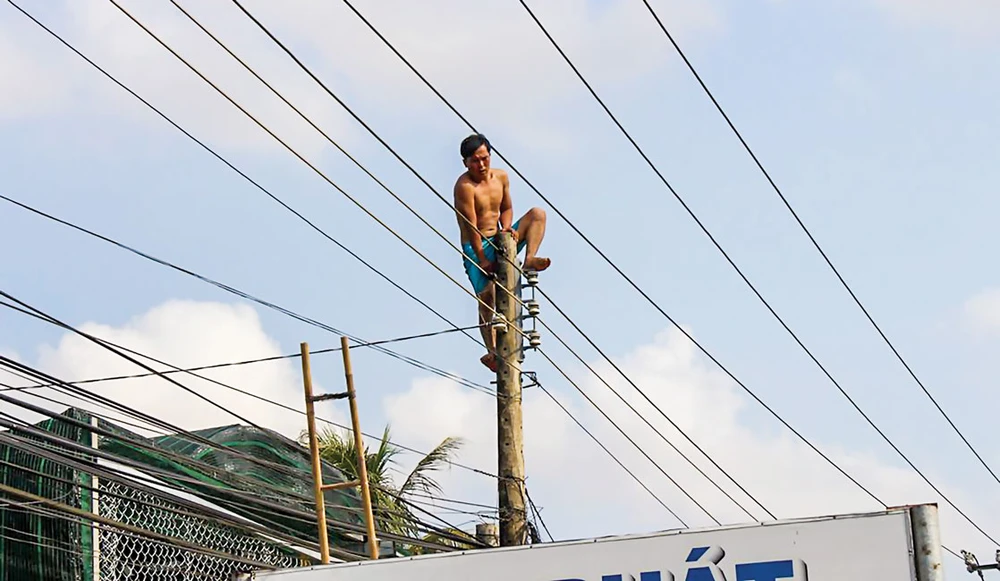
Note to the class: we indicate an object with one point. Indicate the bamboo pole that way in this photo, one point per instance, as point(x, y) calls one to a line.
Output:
point(317, 471)
point(366, 495)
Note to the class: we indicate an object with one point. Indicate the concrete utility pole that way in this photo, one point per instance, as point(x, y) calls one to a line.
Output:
point(510, 440)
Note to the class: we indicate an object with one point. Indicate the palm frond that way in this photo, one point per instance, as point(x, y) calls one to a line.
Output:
point(391, 512)
point(419, 478)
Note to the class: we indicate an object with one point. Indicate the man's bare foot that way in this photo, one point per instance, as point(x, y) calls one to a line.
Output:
point(489, 361)
point(536, 263)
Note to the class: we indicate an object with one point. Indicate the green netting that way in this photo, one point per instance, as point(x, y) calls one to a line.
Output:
point(43, 548)
point(34, 546)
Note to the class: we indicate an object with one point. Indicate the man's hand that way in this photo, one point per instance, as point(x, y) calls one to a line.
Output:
point(512, 232)
point(486, 265)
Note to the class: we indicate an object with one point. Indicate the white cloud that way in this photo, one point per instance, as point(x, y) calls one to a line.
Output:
point(982, 312)
point(967, 18)
point(186, 334)
point(586, 494)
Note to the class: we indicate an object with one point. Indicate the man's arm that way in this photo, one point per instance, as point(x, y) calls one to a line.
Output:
point(465, 204)
point(506, 205)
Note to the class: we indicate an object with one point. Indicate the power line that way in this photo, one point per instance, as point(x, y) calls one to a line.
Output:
point(538, 515)
point(191, 372)
point(302, 158)
point(615, 266)
point(242, 294)
point(64, 447)
point(308, 71)
point(83, 516)
point(230, 165)
point(812, 239)
point(569, 222)
point(573, 226)
point(609, 452)
point(108, 434)
point(261, 398)
point(238, 363)
point(547, 393)
point(120, 84)
point(337, 145)
point(449, 277)
point(746, 279)
point(109, 345)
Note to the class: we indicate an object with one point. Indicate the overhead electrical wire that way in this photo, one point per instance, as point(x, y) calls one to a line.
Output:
point(56, 448)
point(277, 41)
point(81, 516)
point(177, 55)
point(247, 296)
point(745, 279)
point(611, 263)
point(302, 158)
point(361, 121)
point(335, 186)
point(131, 359)
point(329, 139)
point(3, 360)
point(609, 452)
point(120, 84)
point(252, 395)
point(290, 470)
point(522, 176)
point(28, 390)
point(59, 449)
point(247, 361)
point(813, 240)
point(198, 511)
point(252, 484)
point(64, 446)
point(230, 165)
point(538, 516)
point(560, 405)
point(427, 183)
point(412, 68)
point(311, 74)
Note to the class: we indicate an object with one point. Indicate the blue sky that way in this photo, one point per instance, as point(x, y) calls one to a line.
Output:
point(875, 118)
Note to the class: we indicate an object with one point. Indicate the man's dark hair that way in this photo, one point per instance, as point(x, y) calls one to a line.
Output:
point(473, 142)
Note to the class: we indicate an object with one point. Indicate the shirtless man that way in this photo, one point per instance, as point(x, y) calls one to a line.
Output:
point(482, 197)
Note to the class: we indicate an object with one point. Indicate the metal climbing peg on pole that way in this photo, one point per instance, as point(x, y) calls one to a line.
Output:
point(317, 467)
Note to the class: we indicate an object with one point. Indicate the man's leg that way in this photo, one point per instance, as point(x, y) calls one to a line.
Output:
point(486, 327)
point(482, 286)
point(531, 230)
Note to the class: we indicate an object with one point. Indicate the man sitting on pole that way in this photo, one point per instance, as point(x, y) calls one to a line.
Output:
point(482, 199)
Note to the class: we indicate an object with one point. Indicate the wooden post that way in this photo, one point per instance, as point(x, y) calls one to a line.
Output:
point(317, 472)
point(366, 495)
point(510, 444)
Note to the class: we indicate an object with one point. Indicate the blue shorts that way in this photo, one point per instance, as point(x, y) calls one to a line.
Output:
point(478, 279)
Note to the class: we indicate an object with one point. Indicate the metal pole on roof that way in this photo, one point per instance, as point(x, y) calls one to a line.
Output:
point(927, 542)
point(359, 444)
point(317, 472)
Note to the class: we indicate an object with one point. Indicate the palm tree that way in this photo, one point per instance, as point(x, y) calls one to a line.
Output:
point(390, 504)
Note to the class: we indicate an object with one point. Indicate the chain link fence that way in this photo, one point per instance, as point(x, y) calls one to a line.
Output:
point(125, 557)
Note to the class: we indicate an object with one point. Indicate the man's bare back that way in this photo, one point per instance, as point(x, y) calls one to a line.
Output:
point(483, 205)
